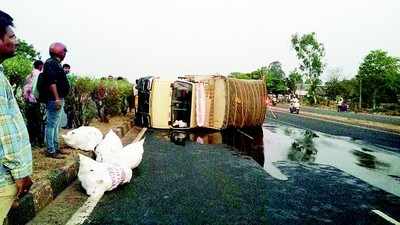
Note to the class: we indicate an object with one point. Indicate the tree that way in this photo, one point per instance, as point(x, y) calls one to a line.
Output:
point(293, 80)
point(310, 53)
point(350, 89)
point(27, 50)
point(254, 75)
point(259, 73)
point(18, 67)
point(379, 73)
point(333, 86)
point(275, 79)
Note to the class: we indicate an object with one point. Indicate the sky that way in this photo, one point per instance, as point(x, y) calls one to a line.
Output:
point(177, 37)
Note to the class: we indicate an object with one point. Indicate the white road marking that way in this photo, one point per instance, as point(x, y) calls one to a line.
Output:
point(386, 217)
point(140, 134)
point(86, 209)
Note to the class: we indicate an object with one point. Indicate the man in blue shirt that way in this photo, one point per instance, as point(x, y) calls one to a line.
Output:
point(15, 149)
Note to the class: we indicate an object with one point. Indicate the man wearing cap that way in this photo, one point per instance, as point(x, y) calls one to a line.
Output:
point(56, 87)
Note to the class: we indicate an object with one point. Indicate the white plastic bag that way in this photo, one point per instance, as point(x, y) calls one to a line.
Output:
point(131, 155)
point(97, 178)
point(84, 138)
point(110, 144)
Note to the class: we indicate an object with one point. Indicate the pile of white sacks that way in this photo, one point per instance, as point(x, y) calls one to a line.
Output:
point(114, 163)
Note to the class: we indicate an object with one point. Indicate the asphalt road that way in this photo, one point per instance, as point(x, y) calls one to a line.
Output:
point(190, 184)
point(213, 184)
point(360, 116)
point(382, 138)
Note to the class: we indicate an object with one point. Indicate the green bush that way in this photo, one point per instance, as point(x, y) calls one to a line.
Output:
point(17, 69)
point(92, 97)
point(83, 99)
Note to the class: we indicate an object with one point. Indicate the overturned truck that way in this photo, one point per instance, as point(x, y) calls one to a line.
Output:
point(215, 102)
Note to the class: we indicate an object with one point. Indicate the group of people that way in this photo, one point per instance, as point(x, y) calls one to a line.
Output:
point(33, 110)
point(15, 140)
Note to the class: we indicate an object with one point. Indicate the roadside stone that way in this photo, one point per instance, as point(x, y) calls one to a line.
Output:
point(24, 212)
point(42, 194)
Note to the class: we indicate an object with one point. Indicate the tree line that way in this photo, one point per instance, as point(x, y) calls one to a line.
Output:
point(377, 80)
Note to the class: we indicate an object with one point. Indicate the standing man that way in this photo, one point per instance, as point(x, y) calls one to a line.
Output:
point(68, 107)
point(33, 114)
point(56, 87)
point(15, 149)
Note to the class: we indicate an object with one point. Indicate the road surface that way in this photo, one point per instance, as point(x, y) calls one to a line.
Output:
point(217, 184)
point(360, 116)
point(225, 178)
point(383, 138)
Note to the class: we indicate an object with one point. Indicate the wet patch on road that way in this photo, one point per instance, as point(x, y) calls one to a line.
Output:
point(191, 184)
point(276, 142)
point(209, 177)
point(374, 165)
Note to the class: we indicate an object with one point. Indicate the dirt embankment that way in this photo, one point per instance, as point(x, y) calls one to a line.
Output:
point(43, 166)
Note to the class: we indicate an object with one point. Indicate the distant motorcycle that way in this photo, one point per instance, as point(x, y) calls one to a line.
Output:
point(343, 107)
point(294, 107)
point(274, 101)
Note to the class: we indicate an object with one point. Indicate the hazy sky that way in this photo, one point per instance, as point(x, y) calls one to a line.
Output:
point(176, 37)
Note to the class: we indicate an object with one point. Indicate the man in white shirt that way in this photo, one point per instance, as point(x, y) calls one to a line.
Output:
point(33, 114)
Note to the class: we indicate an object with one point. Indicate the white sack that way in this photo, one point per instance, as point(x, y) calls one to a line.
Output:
point(84, 138)
point(179, 123)
point(97, 178)
point(110, 144)
point(93, 176)
point(131, 155)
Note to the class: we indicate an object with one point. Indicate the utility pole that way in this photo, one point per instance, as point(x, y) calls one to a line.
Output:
point(359, 103)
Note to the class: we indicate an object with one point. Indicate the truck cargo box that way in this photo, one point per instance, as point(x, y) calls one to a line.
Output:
point(215, 102)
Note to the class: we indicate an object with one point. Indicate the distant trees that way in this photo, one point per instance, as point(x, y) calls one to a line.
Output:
point(377, 80)
point(273, 74)
point(293, 80)
point(275, 79)
point(310, 53)
point(254, 75)
point(333, 87)
point(379, 77)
